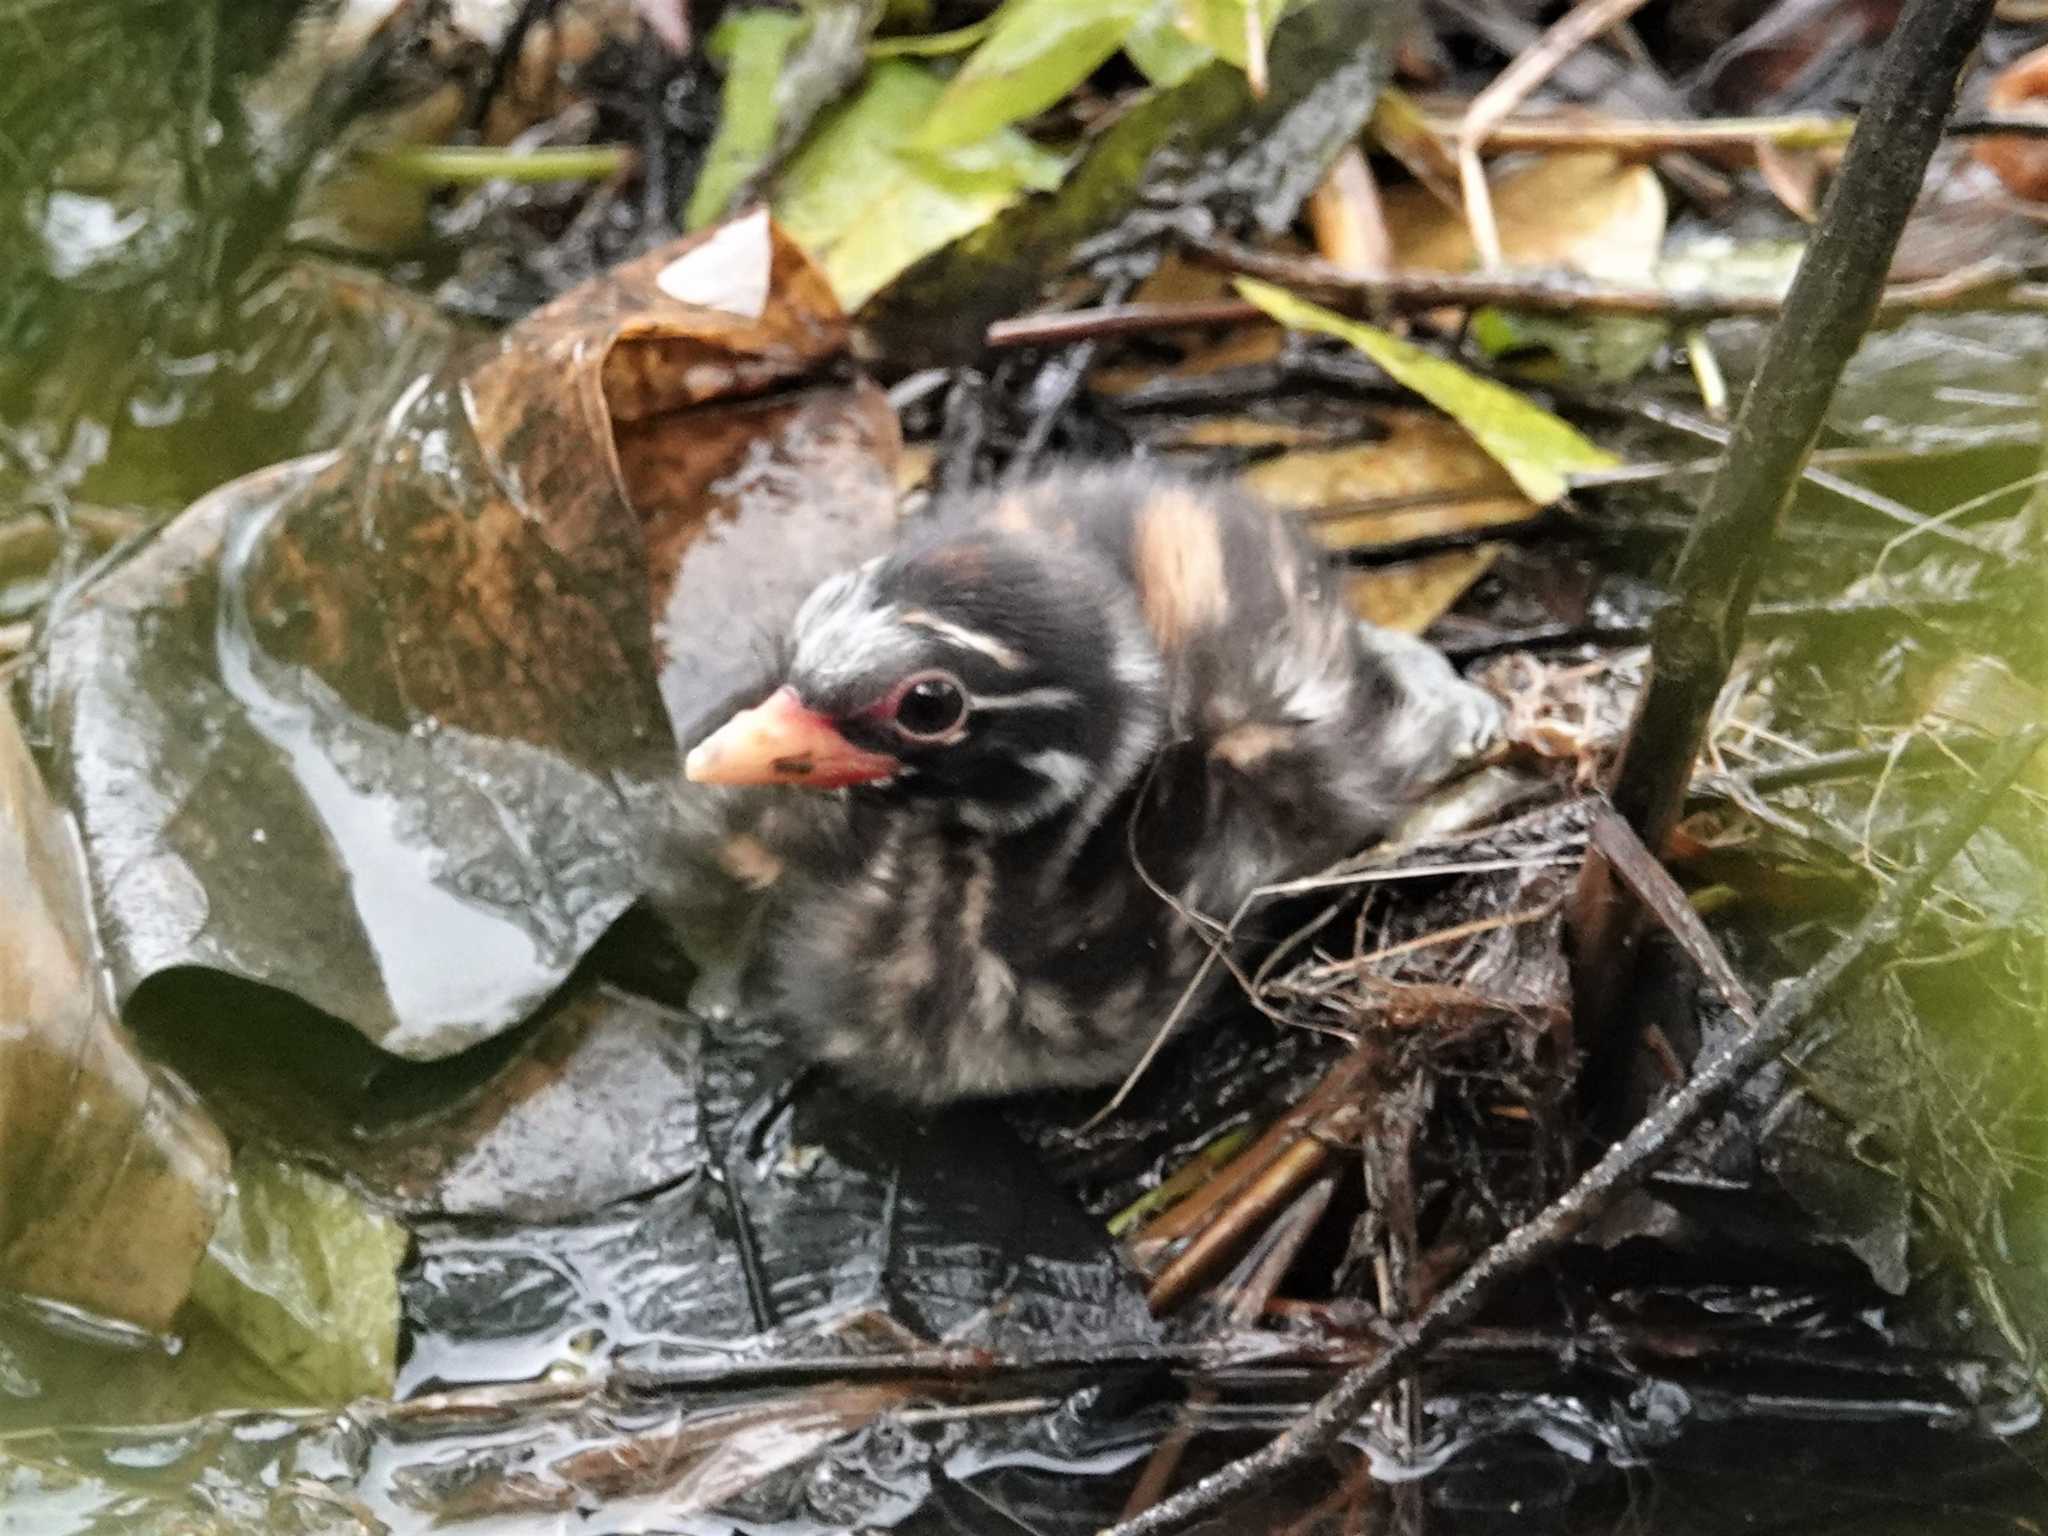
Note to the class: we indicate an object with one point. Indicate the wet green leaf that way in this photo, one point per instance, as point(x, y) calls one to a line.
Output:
point(1038, 51)
point(865, 206)
point(303, 1275)
point(1224, 27)
point(931, 45)
point(1162, 50)
point(1536, 448)
point(1599, 349)
point(752, 46)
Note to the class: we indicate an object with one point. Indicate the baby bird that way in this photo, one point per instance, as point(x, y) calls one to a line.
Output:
point(1040, 735)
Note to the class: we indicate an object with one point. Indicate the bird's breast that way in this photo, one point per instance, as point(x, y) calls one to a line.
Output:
point(945, 967)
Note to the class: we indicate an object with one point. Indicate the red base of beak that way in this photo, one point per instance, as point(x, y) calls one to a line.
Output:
point(779, 741)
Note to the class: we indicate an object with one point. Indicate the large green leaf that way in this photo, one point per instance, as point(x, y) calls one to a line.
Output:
point(751, 45)
point(1224, 27)
point(1037, 52)
point(1536, 448)
point(1161, 47)
point(865, 206)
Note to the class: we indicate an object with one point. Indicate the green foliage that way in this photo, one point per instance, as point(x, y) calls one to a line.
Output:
point(866, 205)
point(1224, 27)
point(751, 45)
point(1162, 49)
point(1535, 447)
point(1037, 52)
point(930, 45)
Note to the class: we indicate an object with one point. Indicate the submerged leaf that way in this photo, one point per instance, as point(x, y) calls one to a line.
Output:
point(1538, 449)
point(303, 1275)
point(111, 1176)
point(866, 206)
point(1037, 51)
point(1442, 480)
point(1590, 213)
point(1413, 595)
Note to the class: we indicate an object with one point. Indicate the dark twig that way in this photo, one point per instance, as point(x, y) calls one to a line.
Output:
point(1827, 767)
point(1653, 886)
point(1060, 327)
point(1051, 393)
point(1832, 301)
point(1991, 284)
point(1637, 1154)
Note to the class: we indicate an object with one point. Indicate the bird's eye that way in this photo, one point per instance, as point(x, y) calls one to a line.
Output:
point(930, 706)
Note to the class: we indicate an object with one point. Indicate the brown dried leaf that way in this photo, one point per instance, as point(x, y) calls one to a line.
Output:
point(111, 1176)
point(1591, 213)
point(385, 728)
point(1413, 595)
point(1421, 455)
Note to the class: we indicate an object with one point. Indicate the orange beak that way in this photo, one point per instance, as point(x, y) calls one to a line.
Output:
point(779, 741)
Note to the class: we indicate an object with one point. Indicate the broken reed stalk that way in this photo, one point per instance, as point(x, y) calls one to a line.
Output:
point(1655, 1137)
point(1830, 305)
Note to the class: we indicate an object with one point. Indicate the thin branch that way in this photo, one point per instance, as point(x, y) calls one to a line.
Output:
point(1833, 298)
point(1649, 136)
point(1774, 618)
point(1655, 889)
point(1625, 1164)
point(1841, 487)
point(1655, 136)
point(1990, 284)
point(1828, 767)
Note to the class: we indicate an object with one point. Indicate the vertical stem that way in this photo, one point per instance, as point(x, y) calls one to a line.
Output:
point(1832, 300)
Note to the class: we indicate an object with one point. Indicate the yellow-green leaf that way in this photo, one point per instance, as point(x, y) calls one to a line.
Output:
point(1538, 450)
point(930, 45)
point(752, 46)
point(1037, 51)
point(865, 206)
point(1224, 27)
point(1162, 49)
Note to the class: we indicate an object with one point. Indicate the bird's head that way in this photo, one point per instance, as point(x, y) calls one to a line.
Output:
point(1008, 680)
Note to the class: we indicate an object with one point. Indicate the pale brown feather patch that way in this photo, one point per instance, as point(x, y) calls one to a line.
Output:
point(748, 862)
point(1177, 558)
point(1242, 746)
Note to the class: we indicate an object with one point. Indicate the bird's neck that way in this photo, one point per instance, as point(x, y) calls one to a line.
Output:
point(1134, 739)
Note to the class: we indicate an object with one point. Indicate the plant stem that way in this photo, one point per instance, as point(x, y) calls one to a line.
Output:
point(1830, 305)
